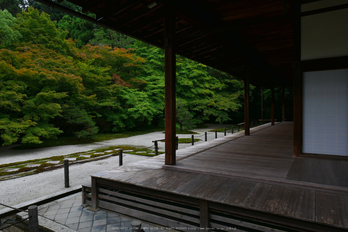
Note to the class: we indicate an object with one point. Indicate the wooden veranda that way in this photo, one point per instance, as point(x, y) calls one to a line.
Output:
point(235, 182)
point(265, 181)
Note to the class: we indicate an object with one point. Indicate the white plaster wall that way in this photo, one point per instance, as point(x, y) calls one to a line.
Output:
point(325, 112)
point(324, 35)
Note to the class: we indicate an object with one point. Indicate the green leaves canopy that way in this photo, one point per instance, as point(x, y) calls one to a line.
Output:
point(50, 85)
point(8, 35)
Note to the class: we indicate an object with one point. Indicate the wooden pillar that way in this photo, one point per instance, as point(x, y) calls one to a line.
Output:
point(94, 198)
point(283, 104)
point(272, 106)
point(170, 82)
point(261, 106)
point(246, 107)
point(297, 80)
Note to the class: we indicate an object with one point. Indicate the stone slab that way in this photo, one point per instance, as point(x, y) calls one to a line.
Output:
point(85, 156)
point(10, 170)
point(53, 162)
point(38, 201)
point(33, 165)
point(47, 225)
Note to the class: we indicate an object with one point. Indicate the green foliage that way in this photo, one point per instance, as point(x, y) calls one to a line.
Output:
point(56, 15)
point(187, 140)
point(12, 6)
point(103, 36)
point(206, 92)
point(11, 129)
point(81, 123)
point(50, 85)
point(183, 116)
point(79, 29)
point(39, 29)
point(8, 35)
point(28, 104)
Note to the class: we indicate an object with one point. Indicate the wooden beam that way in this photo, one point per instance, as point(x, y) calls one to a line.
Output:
point(205, 47)
point(196, 15)
point(309, 1)
point(92, 20)
point(170, 83)
point(324, 10)
point(246, 106)
point(272, 106)
point(324, 64)
point(182, 45)
point(147, 23)
point(133, 16)
point(114, 11)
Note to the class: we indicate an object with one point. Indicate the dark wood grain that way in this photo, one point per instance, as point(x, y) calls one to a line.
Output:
point(240, 194)
point(257, 173)
point(331, 208)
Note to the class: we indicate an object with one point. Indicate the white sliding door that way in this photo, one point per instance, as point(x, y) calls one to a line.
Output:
point(325, 112)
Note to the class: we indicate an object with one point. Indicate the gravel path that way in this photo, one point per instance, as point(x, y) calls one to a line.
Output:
point(8, 155)
point(16, 191)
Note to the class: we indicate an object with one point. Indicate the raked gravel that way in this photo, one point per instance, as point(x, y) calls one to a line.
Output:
point(8, 155)
point(16, 191)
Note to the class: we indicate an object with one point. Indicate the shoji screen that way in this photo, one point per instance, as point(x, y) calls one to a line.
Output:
point(325, 112)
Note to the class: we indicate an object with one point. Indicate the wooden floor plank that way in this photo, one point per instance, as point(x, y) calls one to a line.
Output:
point(167, 180)
point(257, 155)
point(256, 172)
point(297, 170)
point(224, 191)
point(240, 194)
point(142, 176)
point(176, 180)
point(337, 168)
point(297, 203)
point(345, 170)
point(262, 197)
point(320, 171)
point(331, 208)
point(155, 180)
point(199, 182)
point(206, 190)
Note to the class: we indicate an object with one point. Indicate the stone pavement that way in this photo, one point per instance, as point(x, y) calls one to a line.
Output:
point(70, 212)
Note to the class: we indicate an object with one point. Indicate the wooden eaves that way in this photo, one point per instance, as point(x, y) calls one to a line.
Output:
point(255, 41)
point(230, 36)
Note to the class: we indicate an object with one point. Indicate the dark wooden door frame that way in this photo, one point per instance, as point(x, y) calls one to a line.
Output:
point(300, 68)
